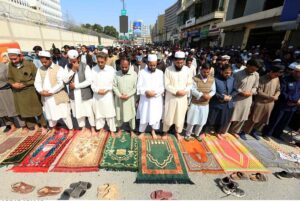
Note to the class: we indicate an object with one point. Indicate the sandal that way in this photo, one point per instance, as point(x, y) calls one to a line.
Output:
point(230, 189)
point(107, 192)
point(238, 176)
point(283, 174)
point(49, 191)
point(161, 195)
point(188, 138)
point(78, 192)
point(82, 184)
point(22, 187)
point(66, 194)
point(199, 138)
point(258, 177)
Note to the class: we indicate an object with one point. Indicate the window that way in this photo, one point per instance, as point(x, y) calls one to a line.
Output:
point(269, 4)
point(239, 8)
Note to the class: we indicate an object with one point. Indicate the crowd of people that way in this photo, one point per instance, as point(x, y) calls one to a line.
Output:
point(188, 91)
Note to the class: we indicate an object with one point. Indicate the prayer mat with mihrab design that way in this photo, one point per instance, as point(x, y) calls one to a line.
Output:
point(41, 158)
point(232, 155)
point(83, 154)
point(198, 158)
point(121, 154)
point(160, 161)
point(23, 149)
point(9, 143)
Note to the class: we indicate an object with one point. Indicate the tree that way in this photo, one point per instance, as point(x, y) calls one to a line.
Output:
point(111, 31)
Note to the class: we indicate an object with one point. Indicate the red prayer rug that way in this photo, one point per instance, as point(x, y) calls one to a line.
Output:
point(232, 155)
point(83, 153)
point(40, 159)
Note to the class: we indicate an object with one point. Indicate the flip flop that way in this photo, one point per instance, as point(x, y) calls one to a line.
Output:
point(49, 191)
point(78, 192)
point(226, 181)
point(22, 187)
point(107, 192)
point(258, 177)
point(66, 194)
point(283, 174)
point(238, 176)
point(82, 184)
point(161, 195)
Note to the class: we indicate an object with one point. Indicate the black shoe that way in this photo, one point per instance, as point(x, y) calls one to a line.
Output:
point(255, 135)
point(7, 128)
point(243, 136)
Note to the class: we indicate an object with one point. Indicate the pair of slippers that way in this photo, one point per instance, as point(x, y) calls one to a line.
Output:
point(230, 187)
point(107, 192)
point(76, 190)
point(254, 177)
point(285, 174)
point(24, 188)
point(161, 195)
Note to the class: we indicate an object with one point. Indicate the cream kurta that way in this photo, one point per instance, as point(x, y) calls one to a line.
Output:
point(103, 105)
point(176, 107)
point(244, 82)
point(150, 109)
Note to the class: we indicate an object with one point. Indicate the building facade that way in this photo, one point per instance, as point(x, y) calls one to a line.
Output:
point(171, 28)
point(47, 12)
point(268, 23)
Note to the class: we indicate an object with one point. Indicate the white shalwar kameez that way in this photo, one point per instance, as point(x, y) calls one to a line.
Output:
point(52, 111)
point(150, 110)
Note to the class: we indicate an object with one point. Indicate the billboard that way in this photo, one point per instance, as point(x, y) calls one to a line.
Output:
point(137, 28)
point(123, 24)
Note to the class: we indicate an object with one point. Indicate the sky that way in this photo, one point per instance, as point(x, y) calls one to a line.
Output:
point(107, 12)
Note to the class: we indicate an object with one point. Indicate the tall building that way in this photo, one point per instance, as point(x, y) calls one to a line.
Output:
point(42, 11)
point(262, 22)
point(171, 29)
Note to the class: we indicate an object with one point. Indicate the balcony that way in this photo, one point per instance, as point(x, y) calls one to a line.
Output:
point(185, 5)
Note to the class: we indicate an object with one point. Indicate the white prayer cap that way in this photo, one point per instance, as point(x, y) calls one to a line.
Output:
point(256, 53)
point(152, 52)
point(292, 66)
point(152, 57)
point(44, 54)
point(192, 50)
point(166, 53)
point(297, 68)
point(297, 52)
point(186, 53)
point(291, 47)
point(226, 57)
point(73, 54)
point(245, 51)
point(14, 51)
point(277, 60)
point(250, 54)
point(105, 51)
point(179, 55)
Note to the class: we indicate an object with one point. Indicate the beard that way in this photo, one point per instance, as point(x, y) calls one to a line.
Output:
point(178, 68)
point(152, 70)
point(124, 72)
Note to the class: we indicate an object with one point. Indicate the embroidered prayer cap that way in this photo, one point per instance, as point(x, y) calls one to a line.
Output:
point(73, 54)
point(179, 55)
point(226, 57)
point(14, 51)
point(152, 57)
point(105, 51)
point(44, 54)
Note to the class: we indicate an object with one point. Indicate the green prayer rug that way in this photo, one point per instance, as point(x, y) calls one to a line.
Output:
point(160, 161)
point(121, 154)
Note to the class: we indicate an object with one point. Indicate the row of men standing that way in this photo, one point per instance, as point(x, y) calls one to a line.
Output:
point(103, 95)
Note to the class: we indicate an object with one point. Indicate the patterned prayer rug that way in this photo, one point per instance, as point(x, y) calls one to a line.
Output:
point(232, 155)
point(121, 154)
point(24, 148)
point(83, 154)
point(9, 143)
point(282, 146)
point(160, 161)
point(40, 159)
point(268, 156)
point(198, 158)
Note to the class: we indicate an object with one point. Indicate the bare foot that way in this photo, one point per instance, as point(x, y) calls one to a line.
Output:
point(220, 137)
point(12, 130)
point(202, 136)
point(44, 131)
point(70, 134)
point(165, 136)
point(94, 133)
point(24, 131)
point(113, 135)
point(154, 136)
point(237, 136)
point(83, 129)
point(132, 134)
point(119, 133)
point(141, 136)
point(178, 136)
